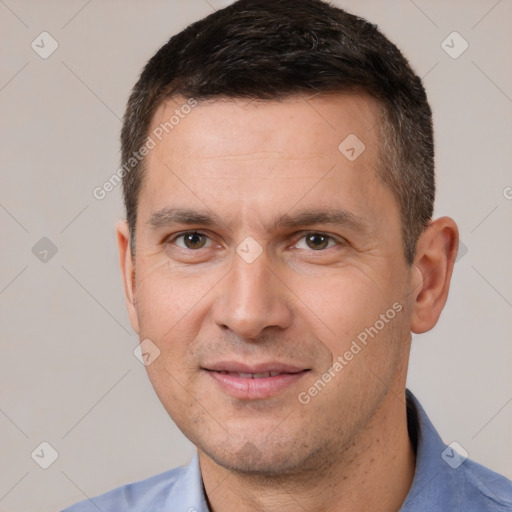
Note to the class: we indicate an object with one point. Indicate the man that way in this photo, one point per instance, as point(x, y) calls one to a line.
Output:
point(279, 250)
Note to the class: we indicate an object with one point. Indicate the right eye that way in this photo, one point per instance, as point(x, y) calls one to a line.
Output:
point(192, 240)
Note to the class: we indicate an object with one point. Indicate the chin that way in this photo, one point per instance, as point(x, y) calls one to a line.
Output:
point(250, 461)
point(260, 458)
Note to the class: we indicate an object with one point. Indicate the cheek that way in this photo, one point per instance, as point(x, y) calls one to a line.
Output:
point(168, 302)
point(343, 302)
point(360, 320)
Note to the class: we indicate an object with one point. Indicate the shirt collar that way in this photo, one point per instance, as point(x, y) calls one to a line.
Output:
point(188, 494)
point(434, 479)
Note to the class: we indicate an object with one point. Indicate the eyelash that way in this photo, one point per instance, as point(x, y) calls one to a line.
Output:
point(303, 236)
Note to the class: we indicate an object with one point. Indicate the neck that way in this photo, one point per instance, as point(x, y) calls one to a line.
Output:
point(374, 473)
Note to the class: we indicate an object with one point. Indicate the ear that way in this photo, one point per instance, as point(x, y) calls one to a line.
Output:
point(436, 251)
point(127, 271)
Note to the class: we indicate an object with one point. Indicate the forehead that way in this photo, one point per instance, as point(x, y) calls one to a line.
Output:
point(295, 127)
point(266, 154)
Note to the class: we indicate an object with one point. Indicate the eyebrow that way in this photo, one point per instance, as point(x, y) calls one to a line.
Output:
point(168, 216)
point(329, 216)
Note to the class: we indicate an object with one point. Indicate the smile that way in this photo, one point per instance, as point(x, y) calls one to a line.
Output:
point(257, 384)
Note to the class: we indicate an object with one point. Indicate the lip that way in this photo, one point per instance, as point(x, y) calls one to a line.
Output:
point(239, 367)
point(227, 375)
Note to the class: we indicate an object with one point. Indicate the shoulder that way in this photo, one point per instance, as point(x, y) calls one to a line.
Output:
point(148, 494)
point(485, 490)
point(445, 480)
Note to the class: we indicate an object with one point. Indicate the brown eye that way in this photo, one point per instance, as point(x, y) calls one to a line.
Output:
point(317, 241)
point(191, 240)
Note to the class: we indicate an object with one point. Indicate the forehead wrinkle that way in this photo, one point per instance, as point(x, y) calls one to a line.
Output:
point(260, 155)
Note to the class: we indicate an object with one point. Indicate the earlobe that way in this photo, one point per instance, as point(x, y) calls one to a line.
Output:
point(127, 271)
point(435, 257)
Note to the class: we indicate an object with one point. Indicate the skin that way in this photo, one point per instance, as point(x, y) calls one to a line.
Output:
point(302, 301)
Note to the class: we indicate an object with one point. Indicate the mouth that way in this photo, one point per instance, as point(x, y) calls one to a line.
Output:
point(255, 382)
point(262, 375)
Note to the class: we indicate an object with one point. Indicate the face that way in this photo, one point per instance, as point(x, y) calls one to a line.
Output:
point(270, 274)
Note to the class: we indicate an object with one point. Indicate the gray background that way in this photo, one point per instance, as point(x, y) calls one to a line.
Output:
point(68, 375)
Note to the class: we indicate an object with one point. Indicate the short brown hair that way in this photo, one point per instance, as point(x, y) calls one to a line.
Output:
point(270, 49)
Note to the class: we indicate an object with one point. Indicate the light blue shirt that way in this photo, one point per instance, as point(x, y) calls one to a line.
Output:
point(444, 481)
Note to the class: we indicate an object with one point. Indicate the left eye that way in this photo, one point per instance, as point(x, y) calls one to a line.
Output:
point(315, 241)
point(192, 240)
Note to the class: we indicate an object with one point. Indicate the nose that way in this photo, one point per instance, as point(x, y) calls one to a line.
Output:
point(252, 299)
